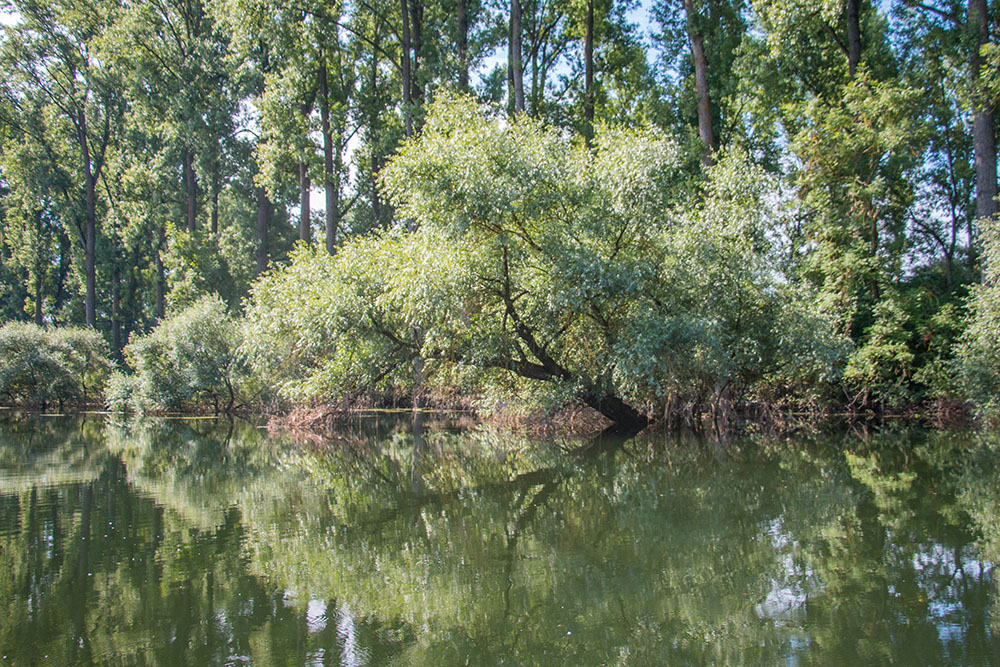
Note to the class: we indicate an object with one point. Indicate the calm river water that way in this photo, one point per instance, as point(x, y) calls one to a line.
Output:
point(209, 543)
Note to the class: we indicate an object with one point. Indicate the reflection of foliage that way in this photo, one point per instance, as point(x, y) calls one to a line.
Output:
point(428, 546)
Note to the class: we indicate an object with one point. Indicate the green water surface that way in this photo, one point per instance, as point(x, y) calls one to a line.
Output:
point(200, 542)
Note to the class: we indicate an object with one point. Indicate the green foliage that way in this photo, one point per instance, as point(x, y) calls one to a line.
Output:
point(978, 356)
point(189, 360)
point(40, 365)
point(583, 272)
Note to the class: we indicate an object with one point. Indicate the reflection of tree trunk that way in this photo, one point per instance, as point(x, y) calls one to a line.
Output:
point(79, 603)
point(417, 485)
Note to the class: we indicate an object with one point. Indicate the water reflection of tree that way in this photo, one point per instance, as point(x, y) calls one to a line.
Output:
point(437, 547)
point(677, 563)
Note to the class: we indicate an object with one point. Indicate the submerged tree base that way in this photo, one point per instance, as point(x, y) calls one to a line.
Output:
point(577, 419)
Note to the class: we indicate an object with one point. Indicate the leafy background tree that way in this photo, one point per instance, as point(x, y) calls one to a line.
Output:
point(156, 153)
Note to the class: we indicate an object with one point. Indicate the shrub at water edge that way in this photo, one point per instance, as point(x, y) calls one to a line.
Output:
point(40, 366)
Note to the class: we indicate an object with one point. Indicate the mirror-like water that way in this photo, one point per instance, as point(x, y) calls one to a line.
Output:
point(207, 543)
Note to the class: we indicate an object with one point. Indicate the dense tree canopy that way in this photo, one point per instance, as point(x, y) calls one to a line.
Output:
point(791, 169)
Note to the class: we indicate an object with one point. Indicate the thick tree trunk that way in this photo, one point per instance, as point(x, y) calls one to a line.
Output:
point(588, 74)
point(700, 83)
point(463, 47)
point(623, 415)
point(404, 67)
point(263, 222)
point(305, 208)
point(853, 37)
point(516, 70)
point(191, 190)
point(983, 137)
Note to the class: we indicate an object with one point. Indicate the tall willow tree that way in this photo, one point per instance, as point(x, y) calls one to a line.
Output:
point(67, 101)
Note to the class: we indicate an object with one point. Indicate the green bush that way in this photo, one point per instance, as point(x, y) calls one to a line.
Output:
point(547, 269)
point(188, 361)
point(40, 365)
point(978, 357)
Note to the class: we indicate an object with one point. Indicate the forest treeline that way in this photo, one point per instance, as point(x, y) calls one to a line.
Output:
point(756, 203)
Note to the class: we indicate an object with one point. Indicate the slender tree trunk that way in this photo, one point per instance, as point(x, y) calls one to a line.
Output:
point(329, 187)
point(700, 83)
point(516, 52)
point(38, 300)
point(38, 272)
point(116, 308)
point(63, 273)
point(983, 129)
point(588, 74)
point(463, 47)
point(416, 34)
point(373, 131)
point(534, 95)
point(263, 222)
point(853, 37)
point(214, 227)
point(405, 67)
point(191, 189)
point(90, 229)
point(305, 207)
point(161, 278)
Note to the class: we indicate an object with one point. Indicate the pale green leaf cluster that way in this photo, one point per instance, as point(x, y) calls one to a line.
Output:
point(581, 270)
point(189, 359)
point(40, 365)
point(978, 356)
